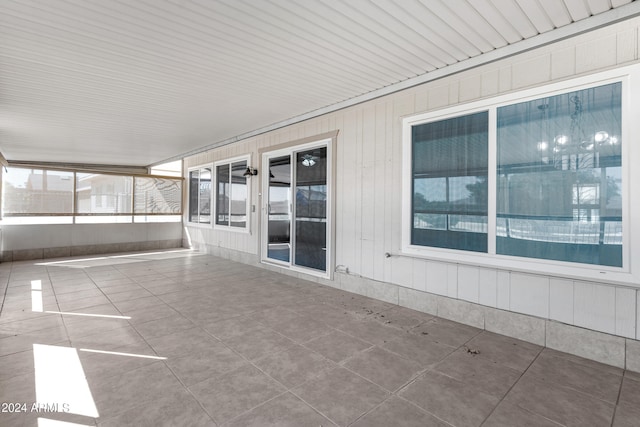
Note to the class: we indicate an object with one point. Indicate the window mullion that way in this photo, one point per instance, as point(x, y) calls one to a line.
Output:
point(492, 182)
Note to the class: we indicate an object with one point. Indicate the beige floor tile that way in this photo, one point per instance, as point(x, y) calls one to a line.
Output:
point(258, 342)
point(196, 367)
point(591, 379)
point(418, 348)
point(341, 395)
point(285, 410)
point(338, 346)
point(446, 332)
point(383, 368)
point(561, 404)
point(450, 400)
point(184, 342)
point(119, 393)
point(515, 354)
point(508, 415)
point(236, 392)
point(294, 366)
point(399, 413)
point(489, 377)
point(301, 328)
point(163, 326)
point(177, 410)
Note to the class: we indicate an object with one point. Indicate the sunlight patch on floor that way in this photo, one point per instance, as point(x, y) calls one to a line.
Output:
point(60, 380)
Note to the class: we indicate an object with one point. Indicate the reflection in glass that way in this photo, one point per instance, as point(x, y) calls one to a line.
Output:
point(157, 196)
point(222, 195)
point(560, 177)
point(200, 196)
point(279, 209)
point(450, 159)
point(194, 185)
point(204, 212)
point(238, 197)
point(37, 191)
point(103, 194)
point(311, 209)
point(231, 194)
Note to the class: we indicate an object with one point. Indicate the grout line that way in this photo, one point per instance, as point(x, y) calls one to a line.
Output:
point(512, 387)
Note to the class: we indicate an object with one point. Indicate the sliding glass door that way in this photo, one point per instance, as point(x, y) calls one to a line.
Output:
point(296, 207)
point(279, 209)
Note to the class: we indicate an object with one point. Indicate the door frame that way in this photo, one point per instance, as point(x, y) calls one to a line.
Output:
point(329, 140)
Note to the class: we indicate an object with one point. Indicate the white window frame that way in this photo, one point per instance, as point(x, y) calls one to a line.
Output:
point(188, 210)
point(214, 194)
point(627, 274)
point(291, 149)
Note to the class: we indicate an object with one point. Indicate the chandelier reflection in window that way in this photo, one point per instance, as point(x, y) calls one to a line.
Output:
point(577, 149)
point(308, 160)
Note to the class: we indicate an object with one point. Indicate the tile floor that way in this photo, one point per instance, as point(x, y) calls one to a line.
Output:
point(228, 344)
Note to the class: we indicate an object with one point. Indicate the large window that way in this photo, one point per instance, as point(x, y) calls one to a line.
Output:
point(100, 196)
point(560, 177)
point(32, 195)
point(231, 194)
point(552, 188)
point(450, 183)
point(37, 195)
point(200, 195)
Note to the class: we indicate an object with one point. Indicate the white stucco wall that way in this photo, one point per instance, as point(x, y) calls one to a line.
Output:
point(60, 238)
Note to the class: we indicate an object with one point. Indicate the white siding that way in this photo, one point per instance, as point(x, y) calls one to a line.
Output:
point(369, 181)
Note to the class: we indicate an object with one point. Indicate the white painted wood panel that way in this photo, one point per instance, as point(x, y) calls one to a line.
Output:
point(561, 300)
point(367, 256)
point(420, 274)
point(530, 294)
point(438, 97)
point(627, 46)
point(379, 182)
point(452, 280)
point(490, 83)
point(596, 54)
point(563, 62)
point(470, 88)
point(595, 306)
point(637, 315)
point(488, 287)
point(531, 71)
point(468, 283)
point(503, 290)
point(626, 312)
point(402, 271)
point(437, 278)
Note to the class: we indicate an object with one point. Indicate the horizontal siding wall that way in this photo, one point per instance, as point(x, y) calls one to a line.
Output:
point(368, 189)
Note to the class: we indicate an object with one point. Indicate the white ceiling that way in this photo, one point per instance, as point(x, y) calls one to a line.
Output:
point(136, 82)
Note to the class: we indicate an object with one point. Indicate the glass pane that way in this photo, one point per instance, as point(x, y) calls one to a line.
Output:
point(450, 159)
point(37, 191)
point(560, 177)
point(194, 189)
point(222, 195)
point(103, 194)
point(205, 196)
point(158, 196)
point(311, 209)
point(238, 195)
point(279, 223)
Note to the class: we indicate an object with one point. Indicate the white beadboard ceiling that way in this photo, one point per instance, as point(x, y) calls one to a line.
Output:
point(137, 82)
